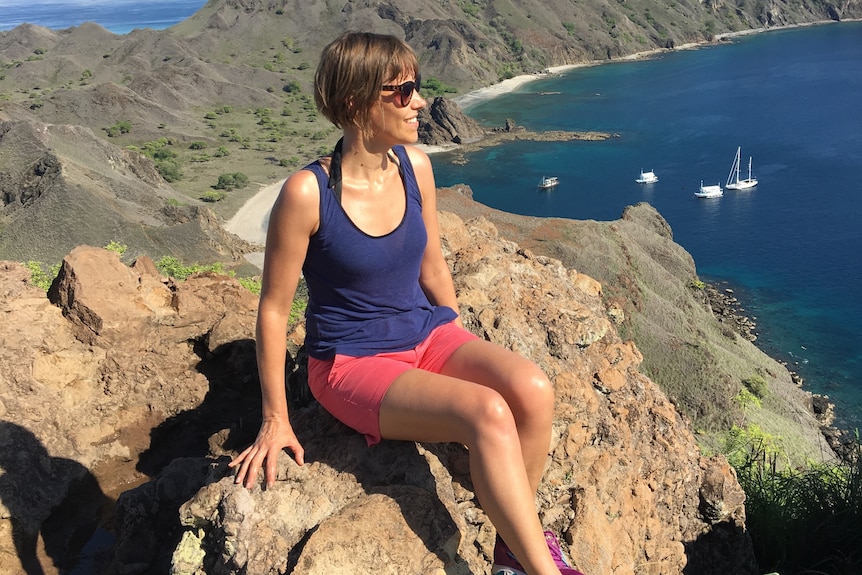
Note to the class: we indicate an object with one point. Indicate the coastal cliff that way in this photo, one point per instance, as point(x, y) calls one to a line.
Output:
point(128, 386)
point(157, 378)
point(229, 89)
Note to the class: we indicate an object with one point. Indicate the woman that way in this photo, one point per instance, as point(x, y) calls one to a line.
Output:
point(387, 353)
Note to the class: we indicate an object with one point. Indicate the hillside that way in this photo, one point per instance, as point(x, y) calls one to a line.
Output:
point(121, 384)
point(92, 127)
point(227, 91)
point(92, 124)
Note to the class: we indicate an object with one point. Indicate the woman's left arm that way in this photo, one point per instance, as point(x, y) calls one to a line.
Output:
point(434, 275)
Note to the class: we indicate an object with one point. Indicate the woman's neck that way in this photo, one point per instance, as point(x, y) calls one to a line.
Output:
point(362, 160)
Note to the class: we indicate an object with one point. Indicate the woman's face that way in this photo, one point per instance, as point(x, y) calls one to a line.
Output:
point(396, 115)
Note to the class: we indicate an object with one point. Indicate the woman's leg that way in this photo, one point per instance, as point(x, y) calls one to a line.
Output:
point(525, 388)
point(423, 406)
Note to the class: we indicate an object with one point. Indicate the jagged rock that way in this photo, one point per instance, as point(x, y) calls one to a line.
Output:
point(81, 393)
point(442, 122)
point(625, 486)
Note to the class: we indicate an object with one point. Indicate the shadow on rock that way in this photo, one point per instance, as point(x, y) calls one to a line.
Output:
point(52, 499)
point(348, 483)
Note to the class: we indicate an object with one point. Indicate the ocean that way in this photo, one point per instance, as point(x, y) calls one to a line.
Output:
point(117, 16)
point(791, 248)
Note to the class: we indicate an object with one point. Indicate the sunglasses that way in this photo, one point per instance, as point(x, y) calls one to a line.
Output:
point(406, 89)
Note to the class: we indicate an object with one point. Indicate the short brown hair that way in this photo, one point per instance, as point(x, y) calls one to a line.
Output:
point(352, 69)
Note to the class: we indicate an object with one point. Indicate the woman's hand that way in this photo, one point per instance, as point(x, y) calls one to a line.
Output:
point(275, 434)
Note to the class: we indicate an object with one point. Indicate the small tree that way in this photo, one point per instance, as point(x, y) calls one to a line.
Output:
point(213, 196)
point(231, 181)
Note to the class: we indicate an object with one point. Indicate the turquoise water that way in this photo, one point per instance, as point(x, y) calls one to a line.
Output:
point(791, 247)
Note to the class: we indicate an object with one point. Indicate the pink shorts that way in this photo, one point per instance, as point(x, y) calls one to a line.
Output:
point(352, 388)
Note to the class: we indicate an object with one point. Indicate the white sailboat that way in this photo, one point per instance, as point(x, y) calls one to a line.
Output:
point(709, 191)
point(733, 181)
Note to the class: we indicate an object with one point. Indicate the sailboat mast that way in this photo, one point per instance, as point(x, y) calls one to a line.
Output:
point(734, 169)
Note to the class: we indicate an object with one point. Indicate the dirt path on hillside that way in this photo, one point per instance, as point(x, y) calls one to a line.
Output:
point(252, 219)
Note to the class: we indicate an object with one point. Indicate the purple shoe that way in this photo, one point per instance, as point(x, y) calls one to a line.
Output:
point(505, 562)
point(559, 557)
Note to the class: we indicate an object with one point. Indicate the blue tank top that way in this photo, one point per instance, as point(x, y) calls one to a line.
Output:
point(364, 293)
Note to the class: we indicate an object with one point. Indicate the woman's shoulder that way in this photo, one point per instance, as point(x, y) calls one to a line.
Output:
point(302, 185)
point(418, 158)
point(416, 154)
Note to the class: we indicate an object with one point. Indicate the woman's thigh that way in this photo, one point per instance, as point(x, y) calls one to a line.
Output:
point(515, 377)
point(426, 406)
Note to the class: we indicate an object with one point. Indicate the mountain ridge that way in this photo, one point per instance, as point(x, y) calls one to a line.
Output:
point(236, 75)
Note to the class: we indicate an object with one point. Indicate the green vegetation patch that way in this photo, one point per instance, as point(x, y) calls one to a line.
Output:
point(801, 519)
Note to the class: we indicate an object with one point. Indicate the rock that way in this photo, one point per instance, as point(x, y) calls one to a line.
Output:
point(168, 385)
point(442, 122)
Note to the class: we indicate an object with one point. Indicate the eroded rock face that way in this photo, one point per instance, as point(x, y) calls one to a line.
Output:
point(442, 122)
point(125, 351)
point(83, 384)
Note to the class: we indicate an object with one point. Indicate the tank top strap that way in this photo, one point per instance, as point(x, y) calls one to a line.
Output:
point(408, 176)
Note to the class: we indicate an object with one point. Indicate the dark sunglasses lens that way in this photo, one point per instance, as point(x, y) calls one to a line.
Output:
point(407, 92)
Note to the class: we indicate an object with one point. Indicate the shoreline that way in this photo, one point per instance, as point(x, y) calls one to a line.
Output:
point(465, 101)
point(251, 220)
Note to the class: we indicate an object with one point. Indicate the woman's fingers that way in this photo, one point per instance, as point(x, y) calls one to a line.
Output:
point(264, 454)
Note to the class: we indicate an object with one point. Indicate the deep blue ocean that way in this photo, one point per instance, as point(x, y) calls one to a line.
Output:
point(792, 99)
point(791, 248)
point(118, 16)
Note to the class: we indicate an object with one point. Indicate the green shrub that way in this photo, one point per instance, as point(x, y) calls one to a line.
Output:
point(805, 520)
point(228, 182)
point(39, 277)
point(173, 267)
point(213, 196)
point(119, 128)
point(756, 385)
point(434, 87)
point(119, 248)
point(169, 170)
point(297, 309)
point(746, 399)
point(251, 284)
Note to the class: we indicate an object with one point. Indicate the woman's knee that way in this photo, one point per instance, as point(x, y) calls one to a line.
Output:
point(492, 416)
point(535, 389)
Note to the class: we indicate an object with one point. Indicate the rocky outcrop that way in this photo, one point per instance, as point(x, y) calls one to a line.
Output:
point(87, 378)
point(691, 348)
point(443, 122)
point(124, 375)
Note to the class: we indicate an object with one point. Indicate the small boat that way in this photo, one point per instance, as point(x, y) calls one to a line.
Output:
point(709, 191)
point(548, 182)
point(733, 181)
point(647, 177)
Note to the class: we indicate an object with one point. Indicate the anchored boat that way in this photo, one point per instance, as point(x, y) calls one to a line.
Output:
point(733, 181)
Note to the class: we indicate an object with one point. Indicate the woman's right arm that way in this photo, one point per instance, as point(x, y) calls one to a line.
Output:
point(294, 219)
